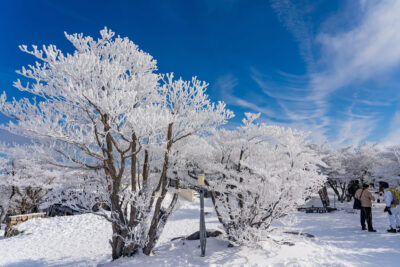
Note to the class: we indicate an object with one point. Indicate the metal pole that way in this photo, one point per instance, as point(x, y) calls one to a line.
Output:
point(203, 232)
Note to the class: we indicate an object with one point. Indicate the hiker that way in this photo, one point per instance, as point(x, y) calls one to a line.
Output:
point(352, 188)
point(366, 198)
point(391, 199)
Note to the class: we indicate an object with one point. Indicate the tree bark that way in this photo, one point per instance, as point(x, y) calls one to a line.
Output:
point(240, 179)
point(152, 236)
point(145, 168)
point(119, 234)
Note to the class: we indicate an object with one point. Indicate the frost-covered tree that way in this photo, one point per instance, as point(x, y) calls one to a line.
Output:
point(334, 168)
point(24, 181)
point(344, 165)
point(360, 161)
point(257, 174)
point(111, 123)
point(5, 191)
point(388, 169)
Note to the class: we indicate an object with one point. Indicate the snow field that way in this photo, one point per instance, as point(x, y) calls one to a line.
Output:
point(83, 241)
point(68, 240)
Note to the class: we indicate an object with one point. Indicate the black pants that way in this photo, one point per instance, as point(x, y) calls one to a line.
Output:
point(366, 215)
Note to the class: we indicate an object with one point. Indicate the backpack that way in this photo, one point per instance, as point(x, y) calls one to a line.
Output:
point(357, 201)
point(396, 197)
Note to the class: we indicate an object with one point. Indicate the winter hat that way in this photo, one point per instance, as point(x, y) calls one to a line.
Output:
point(383, 184)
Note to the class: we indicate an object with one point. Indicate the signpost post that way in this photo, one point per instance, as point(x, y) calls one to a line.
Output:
point(203, 233)
point(323, 194)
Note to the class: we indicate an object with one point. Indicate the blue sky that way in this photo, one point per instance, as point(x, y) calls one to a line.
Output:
point(329, 67)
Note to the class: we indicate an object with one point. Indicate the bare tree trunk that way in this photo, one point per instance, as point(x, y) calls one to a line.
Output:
point(3, 212)
point(117, 243)
point(132, 248)
point(240, 179)
point(343, 192)
point(133, 163)
point(145, 168)
point(117, 216)
point(132, 214)
point(155, 222)
point(219, 216)
point(119, 234)
point(334, 186)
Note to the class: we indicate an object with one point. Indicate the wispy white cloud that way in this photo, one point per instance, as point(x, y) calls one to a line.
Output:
point(348, 57)
point(226, 84)
point(363, 53)
point(294, 18)
point(333, 99)
point(353, 128)
point(247, 104)
point(393, 136)
point(353, 131)
point(376, 103)
point(367, 50)
point(291, 89)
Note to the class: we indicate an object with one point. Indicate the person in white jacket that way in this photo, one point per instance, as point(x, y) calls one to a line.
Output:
point(392, 209)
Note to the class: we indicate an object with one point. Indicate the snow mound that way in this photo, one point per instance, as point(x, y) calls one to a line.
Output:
point(68, 240)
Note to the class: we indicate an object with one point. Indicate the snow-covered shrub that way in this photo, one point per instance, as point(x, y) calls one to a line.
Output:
point(388, 167)
point(257, 174)
point(360, 162)
point(334, 168)
point(24, 182)
point(344, 165)
point(5, 195)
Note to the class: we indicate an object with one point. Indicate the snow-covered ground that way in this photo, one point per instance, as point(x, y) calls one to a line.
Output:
point(83, 241)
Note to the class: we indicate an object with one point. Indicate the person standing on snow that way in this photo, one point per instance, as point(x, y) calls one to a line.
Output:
point(392, 206)
point(366, 198)
point(352, 189)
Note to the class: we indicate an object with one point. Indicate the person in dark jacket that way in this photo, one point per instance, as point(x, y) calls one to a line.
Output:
point(366, 198)
point(353, 187)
